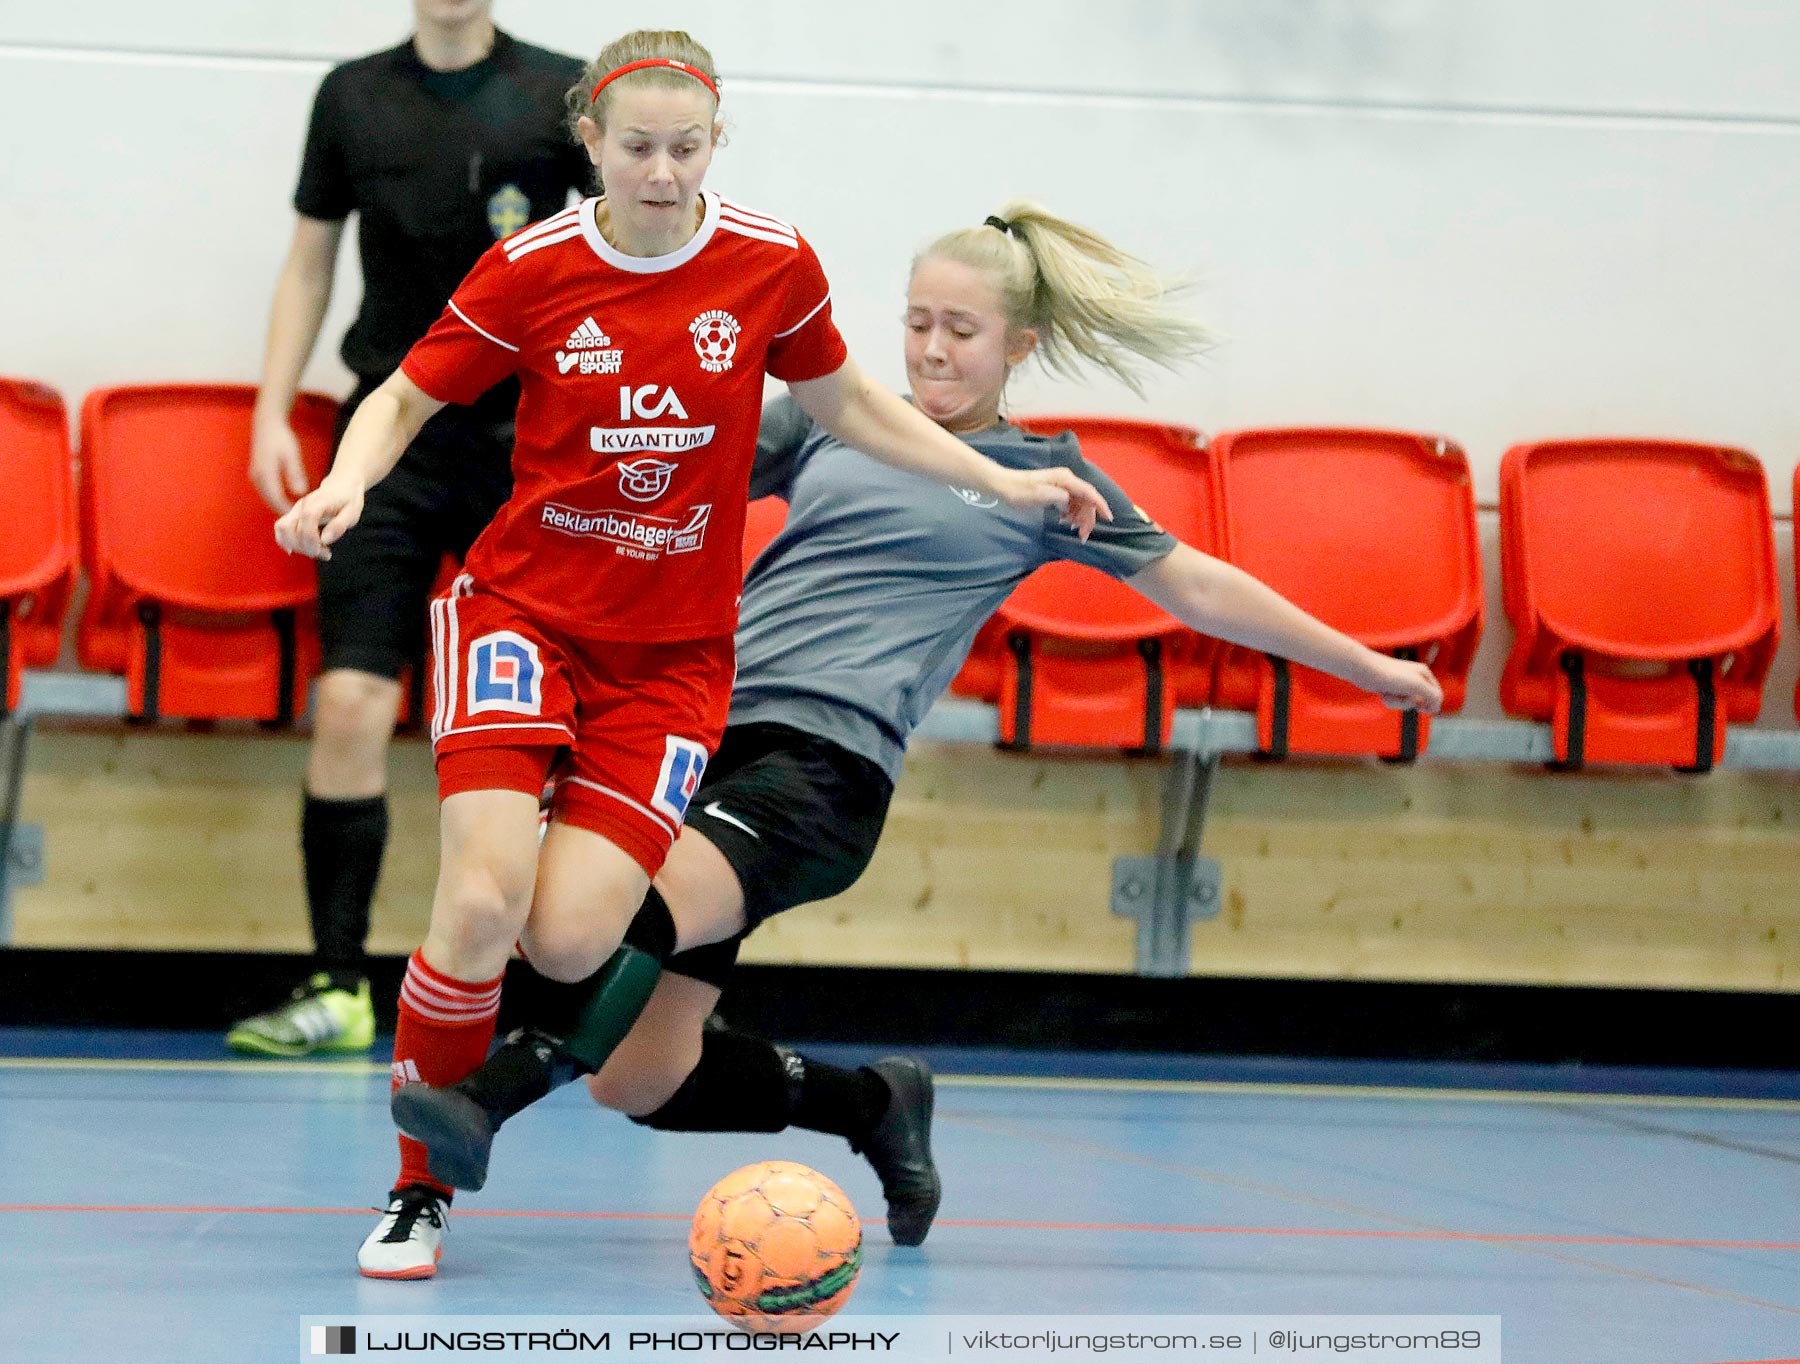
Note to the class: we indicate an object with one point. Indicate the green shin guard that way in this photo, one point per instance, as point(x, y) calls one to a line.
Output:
point(618, 993)
point(457, 1123)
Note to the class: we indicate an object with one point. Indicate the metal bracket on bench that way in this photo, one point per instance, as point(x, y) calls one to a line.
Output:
point(21, 845)
point(1172, 887)
point(24, 867)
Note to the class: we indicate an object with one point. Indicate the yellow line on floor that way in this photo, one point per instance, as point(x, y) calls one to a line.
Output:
point(1320, 1091)
point(1262, 1088)
point(272, 1067)
point(1242, 1088)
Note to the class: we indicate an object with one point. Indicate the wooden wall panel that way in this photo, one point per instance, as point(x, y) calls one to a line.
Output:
point(1463, 873)
point(169, 840)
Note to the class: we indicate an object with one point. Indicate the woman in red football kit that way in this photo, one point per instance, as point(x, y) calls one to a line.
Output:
point(596, 612)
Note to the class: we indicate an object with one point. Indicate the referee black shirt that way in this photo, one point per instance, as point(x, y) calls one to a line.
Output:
point(438, 165)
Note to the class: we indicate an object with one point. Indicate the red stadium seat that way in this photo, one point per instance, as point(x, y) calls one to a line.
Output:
point(1073, 656)
point(37, 551)
point(189, 596)
point(1639, 576)
point(763, 521)
point(1374, 533)
point(1796, 504)
point(980, 675)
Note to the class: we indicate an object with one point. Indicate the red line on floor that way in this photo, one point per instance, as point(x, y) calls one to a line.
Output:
point(1339, 1233)
point(1501, 1238)
point(334, 1212)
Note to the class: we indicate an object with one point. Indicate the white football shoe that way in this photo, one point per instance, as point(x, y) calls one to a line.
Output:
point(409, 1240)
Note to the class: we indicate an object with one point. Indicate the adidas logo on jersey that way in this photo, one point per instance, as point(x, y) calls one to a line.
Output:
point(588, 336)
point(586, 351)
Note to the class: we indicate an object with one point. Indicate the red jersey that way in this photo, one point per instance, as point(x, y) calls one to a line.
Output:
point(641, 386)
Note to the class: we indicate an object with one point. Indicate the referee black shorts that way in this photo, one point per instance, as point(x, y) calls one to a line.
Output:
point(439, 497)
point(796, 816)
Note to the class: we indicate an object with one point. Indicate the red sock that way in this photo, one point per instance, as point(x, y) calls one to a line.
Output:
point(445, 1027)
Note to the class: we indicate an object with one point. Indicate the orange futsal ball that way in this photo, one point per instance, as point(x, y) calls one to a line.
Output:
point(775, 1246)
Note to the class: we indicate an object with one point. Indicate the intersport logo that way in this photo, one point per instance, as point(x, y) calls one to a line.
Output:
point(639, 535)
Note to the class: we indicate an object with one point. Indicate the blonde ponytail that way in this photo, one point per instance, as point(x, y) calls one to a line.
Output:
point(1089, 302)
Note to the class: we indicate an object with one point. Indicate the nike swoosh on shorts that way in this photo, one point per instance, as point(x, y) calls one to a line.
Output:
point(716, 812)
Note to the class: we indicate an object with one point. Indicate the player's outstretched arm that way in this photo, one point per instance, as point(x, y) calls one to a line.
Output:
point(861, 413)
point(1217, 598)
point(302, 293)
point(384, 425)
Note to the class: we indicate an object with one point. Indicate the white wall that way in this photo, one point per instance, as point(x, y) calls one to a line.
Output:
point(1493, 220)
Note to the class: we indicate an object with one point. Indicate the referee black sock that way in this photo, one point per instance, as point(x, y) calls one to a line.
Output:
point(341, 845)
point(747, 1084)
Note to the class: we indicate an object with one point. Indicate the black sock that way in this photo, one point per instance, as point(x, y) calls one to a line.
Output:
point(846, 1103)
point(746, 1084)
point(742, 1084)
point(524, 1068)
point(341, 843)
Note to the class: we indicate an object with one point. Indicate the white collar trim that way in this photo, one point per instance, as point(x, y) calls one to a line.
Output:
point(649, 265)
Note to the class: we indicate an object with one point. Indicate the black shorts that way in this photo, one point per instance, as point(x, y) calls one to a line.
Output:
point(439, 497)
point(797, 817)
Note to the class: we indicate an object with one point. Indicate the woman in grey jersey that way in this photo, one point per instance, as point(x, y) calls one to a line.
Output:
point(854, 620)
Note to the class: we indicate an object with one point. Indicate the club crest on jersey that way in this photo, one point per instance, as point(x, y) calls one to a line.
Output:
point(505, 674)
point(683, 762)
point(587, 350)
point(507, 211)
point(715, 334)
point(645, 480)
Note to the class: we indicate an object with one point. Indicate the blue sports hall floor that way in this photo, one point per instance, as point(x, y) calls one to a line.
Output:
point(156, 1192)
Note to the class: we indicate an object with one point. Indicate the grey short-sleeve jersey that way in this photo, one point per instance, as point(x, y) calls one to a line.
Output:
point(859, 613)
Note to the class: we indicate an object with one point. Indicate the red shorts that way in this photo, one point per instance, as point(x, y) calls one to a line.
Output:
point(639, 720)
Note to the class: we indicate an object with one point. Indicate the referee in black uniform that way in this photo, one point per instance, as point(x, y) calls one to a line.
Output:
point(440, 146)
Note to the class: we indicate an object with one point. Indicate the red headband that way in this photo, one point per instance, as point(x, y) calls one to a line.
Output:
point(668, 62)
